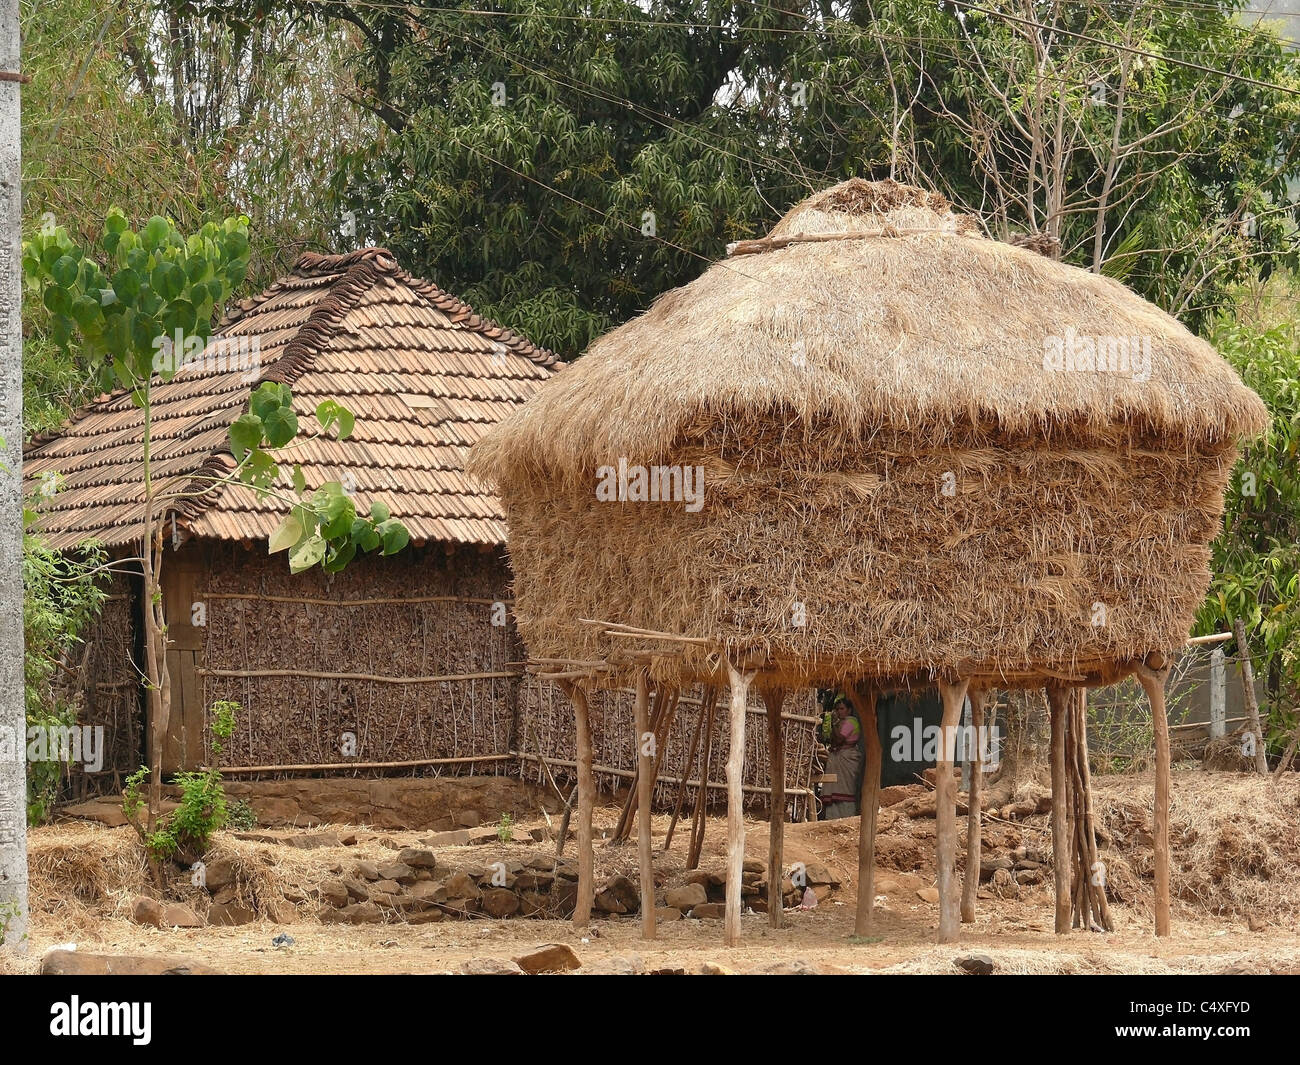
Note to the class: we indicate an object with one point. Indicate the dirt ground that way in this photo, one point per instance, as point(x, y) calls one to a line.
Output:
point(1236, 868)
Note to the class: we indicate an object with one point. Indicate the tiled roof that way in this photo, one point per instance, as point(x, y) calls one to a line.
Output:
point(424, 375)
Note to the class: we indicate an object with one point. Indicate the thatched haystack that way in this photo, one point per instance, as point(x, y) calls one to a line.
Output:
point(878, 432)
point(925, 454)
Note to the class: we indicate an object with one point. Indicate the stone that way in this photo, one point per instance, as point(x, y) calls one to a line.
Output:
point(226, 894)
point(1029, 876)
point(623, 889)
point(367, 870)
point(313, 840)
point(818, 875)
point(975, 964)
point(398, 871)
point(712, 968)
point(753, 865)
point(532, 881)
point(145, 910)
point(428, 889)
point(280, 912)
point(709, 910)
point(357, 891)
point(544, 862)
point(363, 913)
point(417, 858)
point(989, 866)
point(499, 902)
point(230, 913)
point(334, 892)
point(218, 873)
point(79, 963)
point(687, 897)
point(667, 913)
point(606, 902)
point(460, 886)
point(549, 958)
point(490, 967)
point(469, 819)
point(928, 894)
point(176, 915)
point(384, 887)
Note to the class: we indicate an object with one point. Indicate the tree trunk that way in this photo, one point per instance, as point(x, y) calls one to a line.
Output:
point(13, 782)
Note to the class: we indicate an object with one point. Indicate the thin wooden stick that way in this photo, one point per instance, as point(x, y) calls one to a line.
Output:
point(701, 794)
point(1248, 694)
point(868, 809)
point(1153, 683)
point(735, 805)
point(772, 699)
point(645, 751)
point(1057, 698)
point(586, 803)
point(974, 842)
point(231, 770)
point(204, 671)
point(954, 697)
point(686, 766)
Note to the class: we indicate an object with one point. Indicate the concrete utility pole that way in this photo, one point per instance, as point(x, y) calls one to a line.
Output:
point(13, 724)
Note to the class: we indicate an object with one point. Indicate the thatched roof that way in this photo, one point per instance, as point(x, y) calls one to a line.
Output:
point(424, 375)
point(898, 480)
point(910, 317)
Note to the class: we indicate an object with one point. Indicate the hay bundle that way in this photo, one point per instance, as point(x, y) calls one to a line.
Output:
point(923, 451)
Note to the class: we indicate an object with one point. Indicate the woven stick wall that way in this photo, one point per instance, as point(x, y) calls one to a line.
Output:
point(400, 653)
point(546, 719)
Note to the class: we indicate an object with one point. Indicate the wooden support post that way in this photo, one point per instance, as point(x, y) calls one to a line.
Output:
point(1248, 696)
point(645, 761)
point(974, 819)
point(1218, 694)
point(1094, 872)
point(945, 797)
point(735, 804)
point(773, 699)
point(686, 775)
point(868, 806)
point(586, 804)
point(1153, 683)
point(1058, 700)
point(702, 792)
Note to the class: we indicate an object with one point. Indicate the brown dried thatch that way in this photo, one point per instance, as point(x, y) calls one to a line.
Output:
point(888, 446)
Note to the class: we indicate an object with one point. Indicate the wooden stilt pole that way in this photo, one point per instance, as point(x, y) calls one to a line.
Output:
point(735, 804)
point(702, 792)
point(974, 818)
point(586, 804)
point(645, 772)
point(1153, 683)
point(773, 699)
point(868, 807)
point(686, 774)
point(954, 697)
point(1058, 699)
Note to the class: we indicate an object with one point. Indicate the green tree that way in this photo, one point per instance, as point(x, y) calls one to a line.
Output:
point(141, 304)
point(1256, 560)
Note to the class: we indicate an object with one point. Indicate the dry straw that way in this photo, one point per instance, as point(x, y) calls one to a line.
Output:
point(889, 457)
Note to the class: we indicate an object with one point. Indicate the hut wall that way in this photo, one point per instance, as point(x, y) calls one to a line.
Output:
point(400, 653)
point(547, 728)
point(108, 688)
point(908, 553)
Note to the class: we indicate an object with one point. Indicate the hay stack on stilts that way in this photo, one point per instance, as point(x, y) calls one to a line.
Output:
point(927, 456)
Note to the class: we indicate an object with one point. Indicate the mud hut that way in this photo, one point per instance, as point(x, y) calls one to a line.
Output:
point(396, 664)
point(926, 456)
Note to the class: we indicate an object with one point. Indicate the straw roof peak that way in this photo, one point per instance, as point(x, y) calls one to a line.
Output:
point(873, 304)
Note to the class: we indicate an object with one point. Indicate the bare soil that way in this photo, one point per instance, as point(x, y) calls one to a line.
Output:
point(1236, 845)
